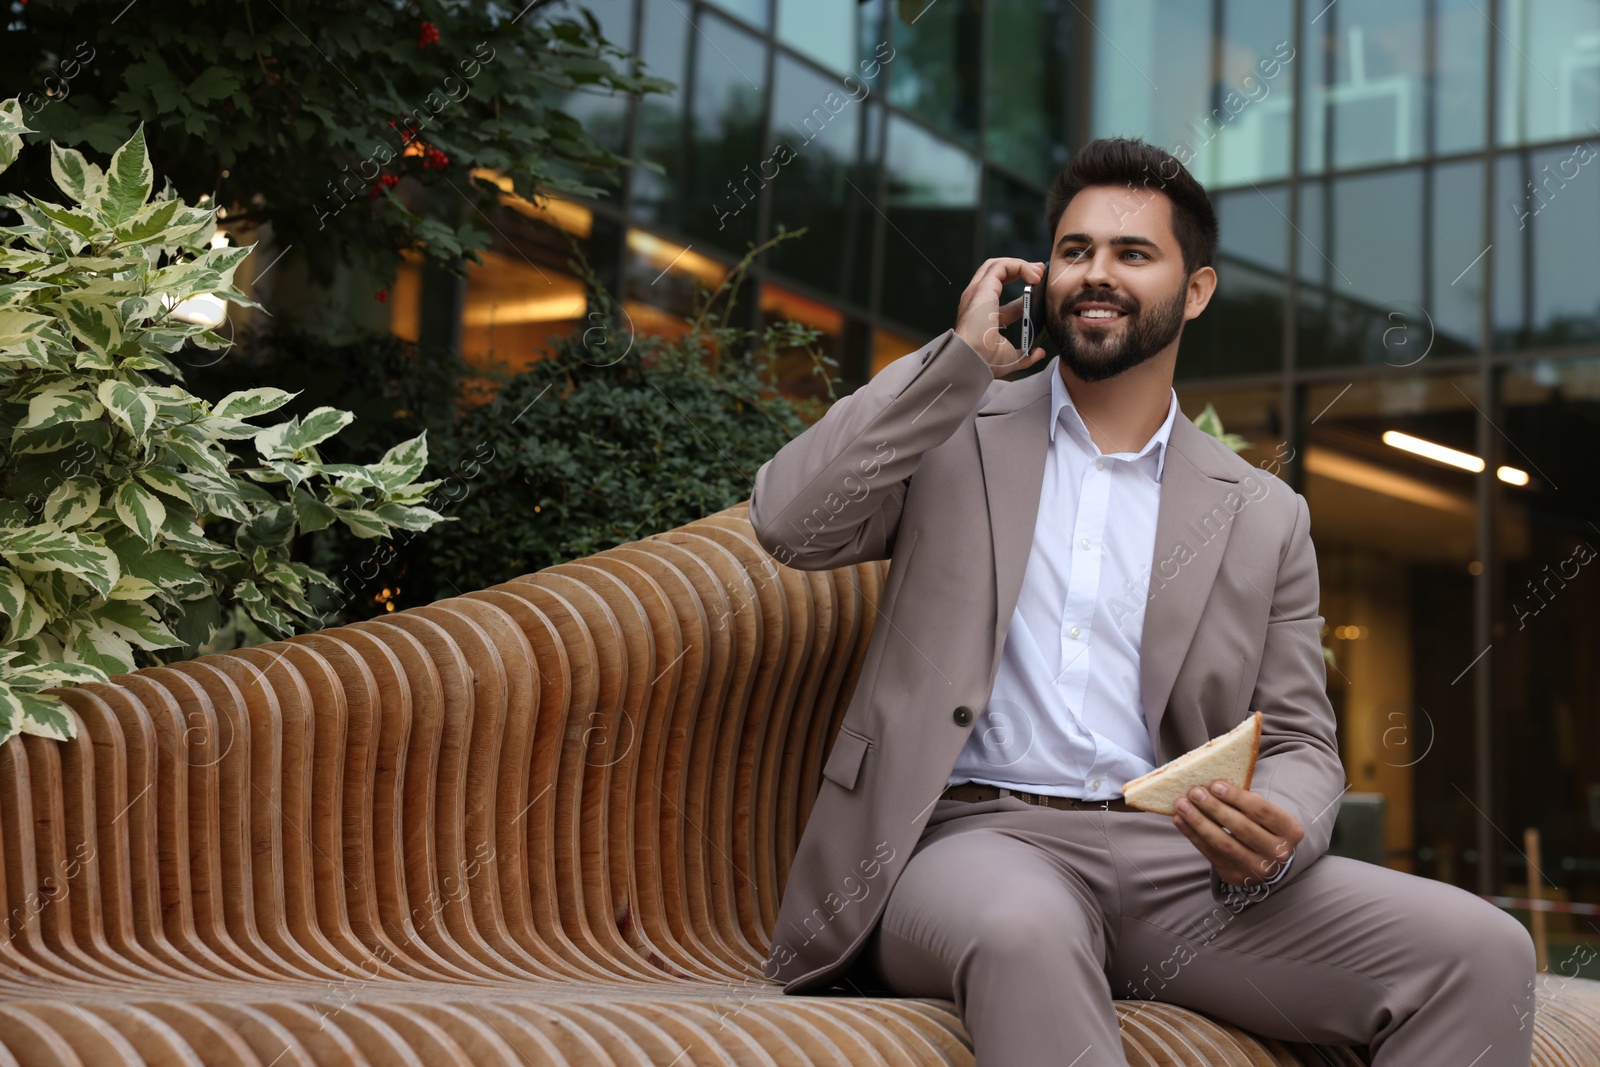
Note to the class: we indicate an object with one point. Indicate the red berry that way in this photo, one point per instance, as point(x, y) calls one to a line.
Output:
point(429, 34)
point(381, 296)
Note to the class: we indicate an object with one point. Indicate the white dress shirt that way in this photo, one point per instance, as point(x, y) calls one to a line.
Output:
point(1065, 717)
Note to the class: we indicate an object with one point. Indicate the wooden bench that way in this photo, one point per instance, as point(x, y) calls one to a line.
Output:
point(547, 822)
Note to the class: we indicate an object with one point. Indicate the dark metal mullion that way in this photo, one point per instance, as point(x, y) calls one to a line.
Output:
point(1289, 402)
point(980, 234)
point(1487, 549)
point(879, 187)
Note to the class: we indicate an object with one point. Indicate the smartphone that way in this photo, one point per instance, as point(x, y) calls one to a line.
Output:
point(1027, 321)
point(1034, 304)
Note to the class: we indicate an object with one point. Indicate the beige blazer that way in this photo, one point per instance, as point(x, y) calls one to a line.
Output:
point(936, 465)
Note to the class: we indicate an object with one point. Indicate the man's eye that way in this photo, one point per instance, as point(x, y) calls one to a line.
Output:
point(1071, 253)
point(1135, 252)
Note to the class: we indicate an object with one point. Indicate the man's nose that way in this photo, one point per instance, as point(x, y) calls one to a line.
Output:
point(1097, 270)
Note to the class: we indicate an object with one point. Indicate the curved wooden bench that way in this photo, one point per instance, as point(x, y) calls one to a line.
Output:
point(546, 822)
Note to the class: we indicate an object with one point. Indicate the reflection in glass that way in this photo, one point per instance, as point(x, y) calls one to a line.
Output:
point(795, 371)
point(932, 202)
point(1369, 248)
point(1141, 43)
point(664, 47)
point(1026, 98)
point(1365, 89)
point(664, 284)
point(1455, 306)
point(833, 142)
point(1247, 132)
point(1549, 63)
point(727, 170)
point(1395, 539)
point(1546, 629)
point(933, 67)
point(1241, 330)
point(1461, 64)
point(1550, 227)
point(752, 11)
point(837, 34)
point(604, 115)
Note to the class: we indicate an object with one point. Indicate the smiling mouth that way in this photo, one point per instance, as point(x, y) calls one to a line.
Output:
point(1098, 316)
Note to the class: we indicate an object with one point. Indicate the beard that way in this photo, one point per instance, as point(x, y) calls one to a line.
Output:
point(1091, 353)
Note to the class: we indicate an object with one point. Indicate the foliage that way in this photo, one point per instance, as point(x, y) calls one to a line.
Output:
point(616, 436)
point(1210, 422)
point(304, 113)
point(126, 524)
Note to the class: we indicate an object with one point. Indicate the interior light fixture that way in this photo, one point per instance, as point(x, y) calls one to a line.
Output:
point(1419, 446)
point(1511, 476)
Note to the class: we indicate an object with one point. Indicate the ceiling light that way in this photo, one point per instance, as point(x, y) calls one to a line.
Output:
point(1432, 450)
point(1511, 476)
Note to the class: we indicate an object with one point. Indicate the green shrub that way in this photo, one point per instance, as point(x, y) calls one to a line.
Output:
point(126, 524)
point(616, 436)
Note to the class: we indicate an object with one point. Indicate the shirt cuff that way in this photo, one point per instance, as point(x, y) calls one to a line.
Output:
point(1228, 887)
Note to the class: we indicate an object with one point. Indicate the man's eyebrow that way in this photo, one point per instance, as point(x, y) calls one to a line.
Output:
point(1120, 239)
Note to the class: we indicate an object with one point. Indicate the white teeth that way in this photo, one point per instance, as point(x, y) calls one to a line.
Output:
point(1097, 313)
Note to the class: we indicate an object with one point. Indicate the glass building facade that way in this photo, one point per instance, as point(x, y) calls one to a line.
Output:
point(1406, 328)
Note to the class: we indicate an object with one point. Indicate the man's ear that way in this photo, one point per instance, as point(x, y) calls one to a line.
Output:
point(1202, 283)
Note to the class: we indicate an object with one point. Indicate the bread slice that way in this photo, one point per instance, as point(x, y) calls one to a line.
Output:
point(1231, 757)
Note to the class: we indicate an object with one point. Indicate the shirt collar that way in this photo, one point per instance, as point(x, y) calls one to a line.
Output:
point(1064, 412)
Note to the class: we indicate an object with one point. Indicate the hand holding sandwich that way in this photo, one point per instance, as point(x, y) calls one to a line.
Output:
point(1246, 837)
point(1206, 790)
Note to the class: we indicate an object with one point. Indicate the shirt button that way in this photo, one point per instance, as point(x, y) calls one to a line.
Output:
point(1095, 784)
point(1099, 464)
point(1086, 543)
point(1074, 632)
point(963, 715)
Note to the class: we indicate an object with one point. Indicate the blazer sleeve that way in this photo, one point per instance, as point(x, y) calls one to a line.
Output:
point(1299, 767)
point(832, 497)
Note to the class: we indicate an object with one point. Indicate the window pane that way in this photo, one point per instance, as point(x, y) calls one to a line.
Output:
point(1546, 625)
point(934, 71)
point(1458, 260)
point(1461, 59)
point(1245, 137)
point(1395, 538)
point(664, 47)
point(1256, 414)
point(752, 11)
point(727, 167)
point(1029, 45)
point(1370, 305)
point(1142, 43)
point(1241, 330)
point(795, 371)
point(1365, 104)
point(838, 34)
point(1549, 61)
point(931, 209)
point(1552, 225)
point(824, 187)
point(604, 116)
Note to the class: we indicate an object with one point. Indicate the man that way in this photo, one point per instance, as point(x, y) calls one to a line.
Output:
point(1084, 586)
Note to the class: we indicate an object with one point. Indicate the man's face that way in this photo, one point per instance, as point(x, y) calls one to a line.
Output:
point(1118, 294)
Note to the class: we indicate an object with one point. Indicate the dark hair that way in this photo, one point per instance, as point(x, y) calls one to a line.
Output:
point(1135, 164)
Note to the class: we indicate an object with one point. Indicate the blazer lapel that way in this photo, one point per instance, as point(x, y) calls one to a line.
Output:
point(1192, 527)
point(1013, 434)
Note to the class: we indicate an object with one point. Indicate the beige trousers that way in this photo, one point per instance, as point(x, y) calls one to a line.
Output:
point(1033, 919)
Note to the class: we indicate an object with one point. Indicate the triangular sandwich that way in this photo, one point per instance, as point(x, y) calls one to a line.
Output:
point(1231, 757)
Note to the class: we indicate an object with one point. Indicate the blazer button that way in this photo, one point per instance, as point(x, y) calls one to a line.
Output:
point(963, 715)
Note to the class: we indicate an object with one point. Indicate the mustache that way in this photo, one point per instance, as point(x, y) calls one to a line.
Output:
point(1121, 303)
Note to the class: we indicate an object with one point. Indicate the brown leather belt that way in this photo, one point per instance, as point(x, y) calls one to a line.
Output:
point(974, 792)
